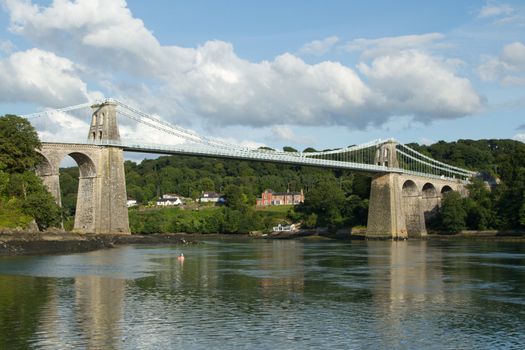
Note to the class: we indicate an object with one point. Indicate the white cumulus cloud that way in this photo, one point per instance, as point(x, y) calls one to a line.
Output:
point(41, 77)
point(319, 47)
point(414, 83)
point(508, 68)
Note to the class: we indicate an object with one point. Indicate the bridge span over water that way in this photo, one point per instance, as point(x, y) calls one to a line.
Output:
point(407, 186)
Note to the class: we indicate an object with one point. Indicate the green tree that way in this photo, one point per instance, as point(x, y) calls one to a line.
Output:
point(326, 200)
point(18, 144)
point(355, 211)
point(235, 198)
point(206, 184)
point(4, 183)
point(289, 149)
point(42, 207)
point(232, 220)
point(522, 212)
point(479, 207)
point(453, 214)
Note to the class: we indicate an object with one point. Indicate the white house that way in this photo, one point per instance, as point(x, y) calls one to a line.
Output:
point(169, 200)
point(131, 203)
point(210, 197)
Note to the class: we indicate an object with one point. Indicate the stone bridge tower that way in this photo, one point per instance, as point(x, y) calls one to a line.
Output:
point(101, 201)
point(385, 217)
point(400, 201)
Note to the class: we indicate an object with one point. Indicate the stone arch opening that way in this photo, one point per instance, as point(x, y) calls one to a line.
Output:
point(446, 189)
point(44, 167)
point(412, 209)
point(430, 200)
point(410, 188)
point(48, 172)
point(78, 191)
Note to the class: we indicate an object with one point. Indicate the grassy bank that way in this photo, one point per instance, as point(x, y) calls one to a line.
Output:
point(11, 215)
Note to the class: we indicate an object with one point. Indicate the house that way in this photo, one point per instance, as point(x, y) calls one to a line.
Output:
point(131, 203)
point(210, 197)
point(169, 200)
point(268, 197)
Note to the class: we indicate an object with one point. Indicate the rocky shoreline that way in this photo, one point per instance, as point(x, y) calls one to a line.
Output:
point(37, 243)
point(59, 242)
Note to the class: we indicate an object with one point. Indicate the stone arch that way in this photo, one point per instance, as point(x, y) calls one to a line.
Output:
point(85, 207)
point(430, 200)
point(44, 167)
point(48, 172)
point(86, 165)
point(446, 189)
point(411, 199)
point(409, 188)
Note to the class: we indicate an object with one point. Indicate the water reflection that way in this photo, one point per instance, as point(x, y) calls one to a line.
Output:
point(404, 272)
point(268, 294)
point(89, 307)
point(21, 302)
point(283, 262)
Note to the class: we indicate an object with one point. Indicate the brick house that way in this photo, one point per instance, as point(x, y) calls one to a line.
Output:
point(269, 197)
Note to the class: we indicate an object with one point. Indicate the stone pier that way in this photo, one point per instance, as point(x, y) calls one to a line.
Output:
point(400, 204)
point(101, 201)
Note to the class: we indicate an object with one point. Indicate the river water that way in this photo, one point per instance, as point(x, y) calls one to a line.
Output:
point(268, 295)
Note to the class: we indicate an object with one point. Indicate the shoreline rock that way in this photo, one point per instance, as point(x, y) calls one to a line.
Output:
point(18, 242)
point(43, 243)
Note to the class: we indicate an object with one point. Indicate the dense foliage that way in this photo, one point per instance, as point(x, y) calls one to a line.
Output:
point(23, 196)
point(502, 165)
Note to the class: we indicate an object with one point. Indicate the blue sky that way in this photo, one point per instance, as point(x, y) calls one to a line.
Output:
point(303, 73)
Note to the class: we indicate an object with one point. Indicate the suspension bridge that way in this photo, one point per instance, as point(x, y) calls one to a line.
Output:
point(407, 185)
